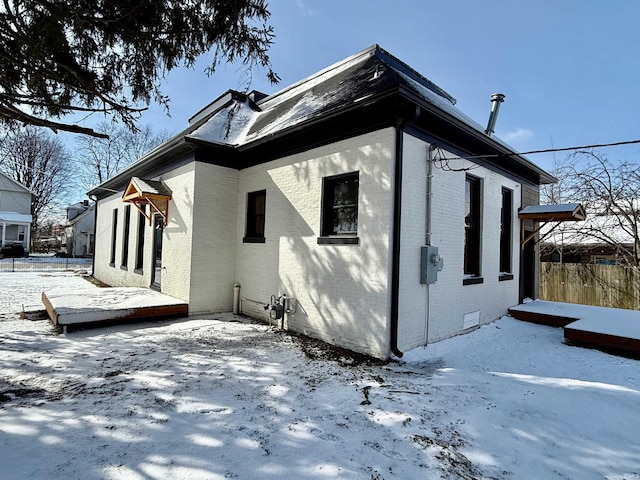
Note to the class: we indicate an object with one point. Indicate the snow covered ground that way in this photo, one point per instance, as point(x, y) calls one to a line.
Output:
point(222, 397)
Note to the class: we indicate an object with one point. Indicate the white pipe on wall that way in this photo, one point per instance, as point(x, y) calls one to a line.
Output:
point(236, 298)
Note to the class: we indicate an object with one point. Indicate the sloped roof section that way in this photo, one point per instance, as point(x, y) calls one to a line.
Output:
point(361, 78)
point(8, 183)
point(568, 212)
point(371, 87)
point(156, 194)
point(13, 217)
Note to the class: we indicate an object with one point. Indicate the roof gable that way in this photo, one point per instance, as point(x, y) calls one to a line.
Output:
point(8, 183)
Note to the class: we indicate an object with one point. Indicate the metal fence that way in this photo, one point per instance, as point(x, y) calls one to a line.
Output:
point(44, 263)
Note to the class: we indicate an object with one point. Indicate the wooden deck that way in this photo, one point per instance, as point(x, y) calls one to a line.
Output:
point(603, 341)
point(101, 306)
point(609, 329)
point(540, 318)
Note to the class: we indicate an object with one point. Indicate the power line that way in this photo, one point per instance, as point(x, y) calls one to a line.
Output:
point(547, 150)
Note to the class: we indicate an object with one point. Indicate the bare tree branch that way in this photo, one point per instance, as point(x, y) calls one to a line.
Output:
point(61, 57)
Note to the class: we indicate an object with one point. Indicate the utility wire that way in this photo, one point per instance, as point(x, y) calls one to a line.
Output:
point(548, 150)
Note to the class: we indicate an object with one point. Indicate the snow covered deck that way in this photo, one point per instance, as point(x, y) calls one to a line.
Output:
point(600, 327)
point(109, 305)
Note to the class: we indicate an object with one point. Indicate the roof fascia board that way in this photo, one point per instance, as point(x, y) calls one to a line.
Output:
point(545, 177)
point(141, 166)
point(446, 145)
point(165, 148)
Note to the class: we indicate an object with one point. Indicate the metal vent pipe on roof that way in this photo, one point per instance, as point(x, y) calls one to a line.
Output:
point(496, 100)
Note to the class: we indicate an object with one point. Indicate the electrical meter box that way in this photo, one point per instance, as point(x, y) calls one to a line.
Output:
point(430, 264)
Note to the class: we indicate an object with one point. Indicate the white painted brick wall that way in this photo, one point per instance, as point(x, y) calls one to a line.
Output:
point(177, 238)
point(412, 309)
point(342, 290)
point(214, 238)
point(449, 300)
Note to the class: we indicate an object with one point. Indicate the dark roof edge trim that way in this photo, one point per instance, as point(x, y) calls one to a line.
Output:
point(545, 177)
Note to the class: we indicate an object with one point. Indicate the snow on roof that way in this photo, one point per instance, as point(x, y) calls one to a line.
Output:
point(593, 231)
point(555, 208)
point(13, 217)
point(151, 187)
point(335, 87)
point(228, 126)
point(235, 120)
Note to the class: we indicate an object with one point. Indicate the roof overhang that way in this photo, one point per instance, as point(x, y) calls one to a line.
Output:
point(15, 218)
point(569, 212)
point(154, 193)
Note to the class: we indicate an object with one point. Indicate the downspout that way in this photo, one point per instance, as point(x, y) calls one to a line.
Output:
point(397, 223)
point(95, 237)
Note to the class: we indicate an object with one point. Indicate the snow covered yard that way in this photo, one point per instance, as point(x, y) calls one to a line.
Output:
point(222, 397)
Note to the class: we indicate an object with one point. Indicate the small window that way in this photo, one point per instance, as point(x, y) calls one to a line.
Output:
point(125, 237)
point(506, 237)
point(114, 233)
point(339, 222)
point(140, 240)
point(472, 230)
point(256, 203)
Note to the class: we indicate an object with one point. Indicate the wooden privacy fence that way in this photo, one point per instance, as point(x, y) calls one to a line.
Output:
point(591, 284)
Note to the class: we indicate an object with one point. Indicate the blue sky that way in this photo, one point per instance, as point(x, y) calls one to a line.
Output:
point(569, 68)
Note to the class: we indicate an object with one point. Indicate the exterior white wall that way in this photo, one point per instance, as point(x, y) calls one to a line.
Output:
point(14, 198)
point(412, 301)
point(79, 233)
point(448, 300)
point(215, 209)
point(177, 244)
point(342, 290)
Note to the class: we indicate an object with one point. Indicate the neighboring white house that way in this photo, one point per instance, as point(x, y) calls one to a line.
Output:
point(15, 213)
point(78, 237)
point(349, 192)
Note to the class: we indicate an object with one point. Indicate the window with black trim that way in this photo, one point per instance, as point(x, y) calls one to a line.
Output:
point(114, 233)
point(472, 229)
point(506, 235)
point(125, 237)
point(140, 240)
point(256, 207)
point(339, 222)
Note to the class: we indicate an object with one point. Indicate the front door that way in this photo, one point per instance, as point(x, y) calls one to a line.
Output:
point(156, 261)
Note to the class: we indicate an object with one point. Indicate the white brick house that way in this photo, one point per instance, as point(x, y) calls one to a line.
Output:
point(328, 191)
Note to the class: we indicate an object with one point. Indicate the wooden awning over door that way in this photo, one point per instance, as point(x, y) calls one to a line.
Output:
point(154, 193)
point(568, 212)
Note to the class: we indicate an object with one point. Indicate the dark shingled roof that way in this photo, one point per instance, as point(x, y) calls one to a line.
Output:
point(237, 122)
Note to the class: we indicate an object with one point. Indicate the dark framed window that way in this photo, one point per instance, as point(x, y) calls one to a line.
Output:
point(472, 229)
point(114, 234)
point(125, 237)
point(339, 222)
point(506, 229)
point(140, 241)
point(256, 207)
